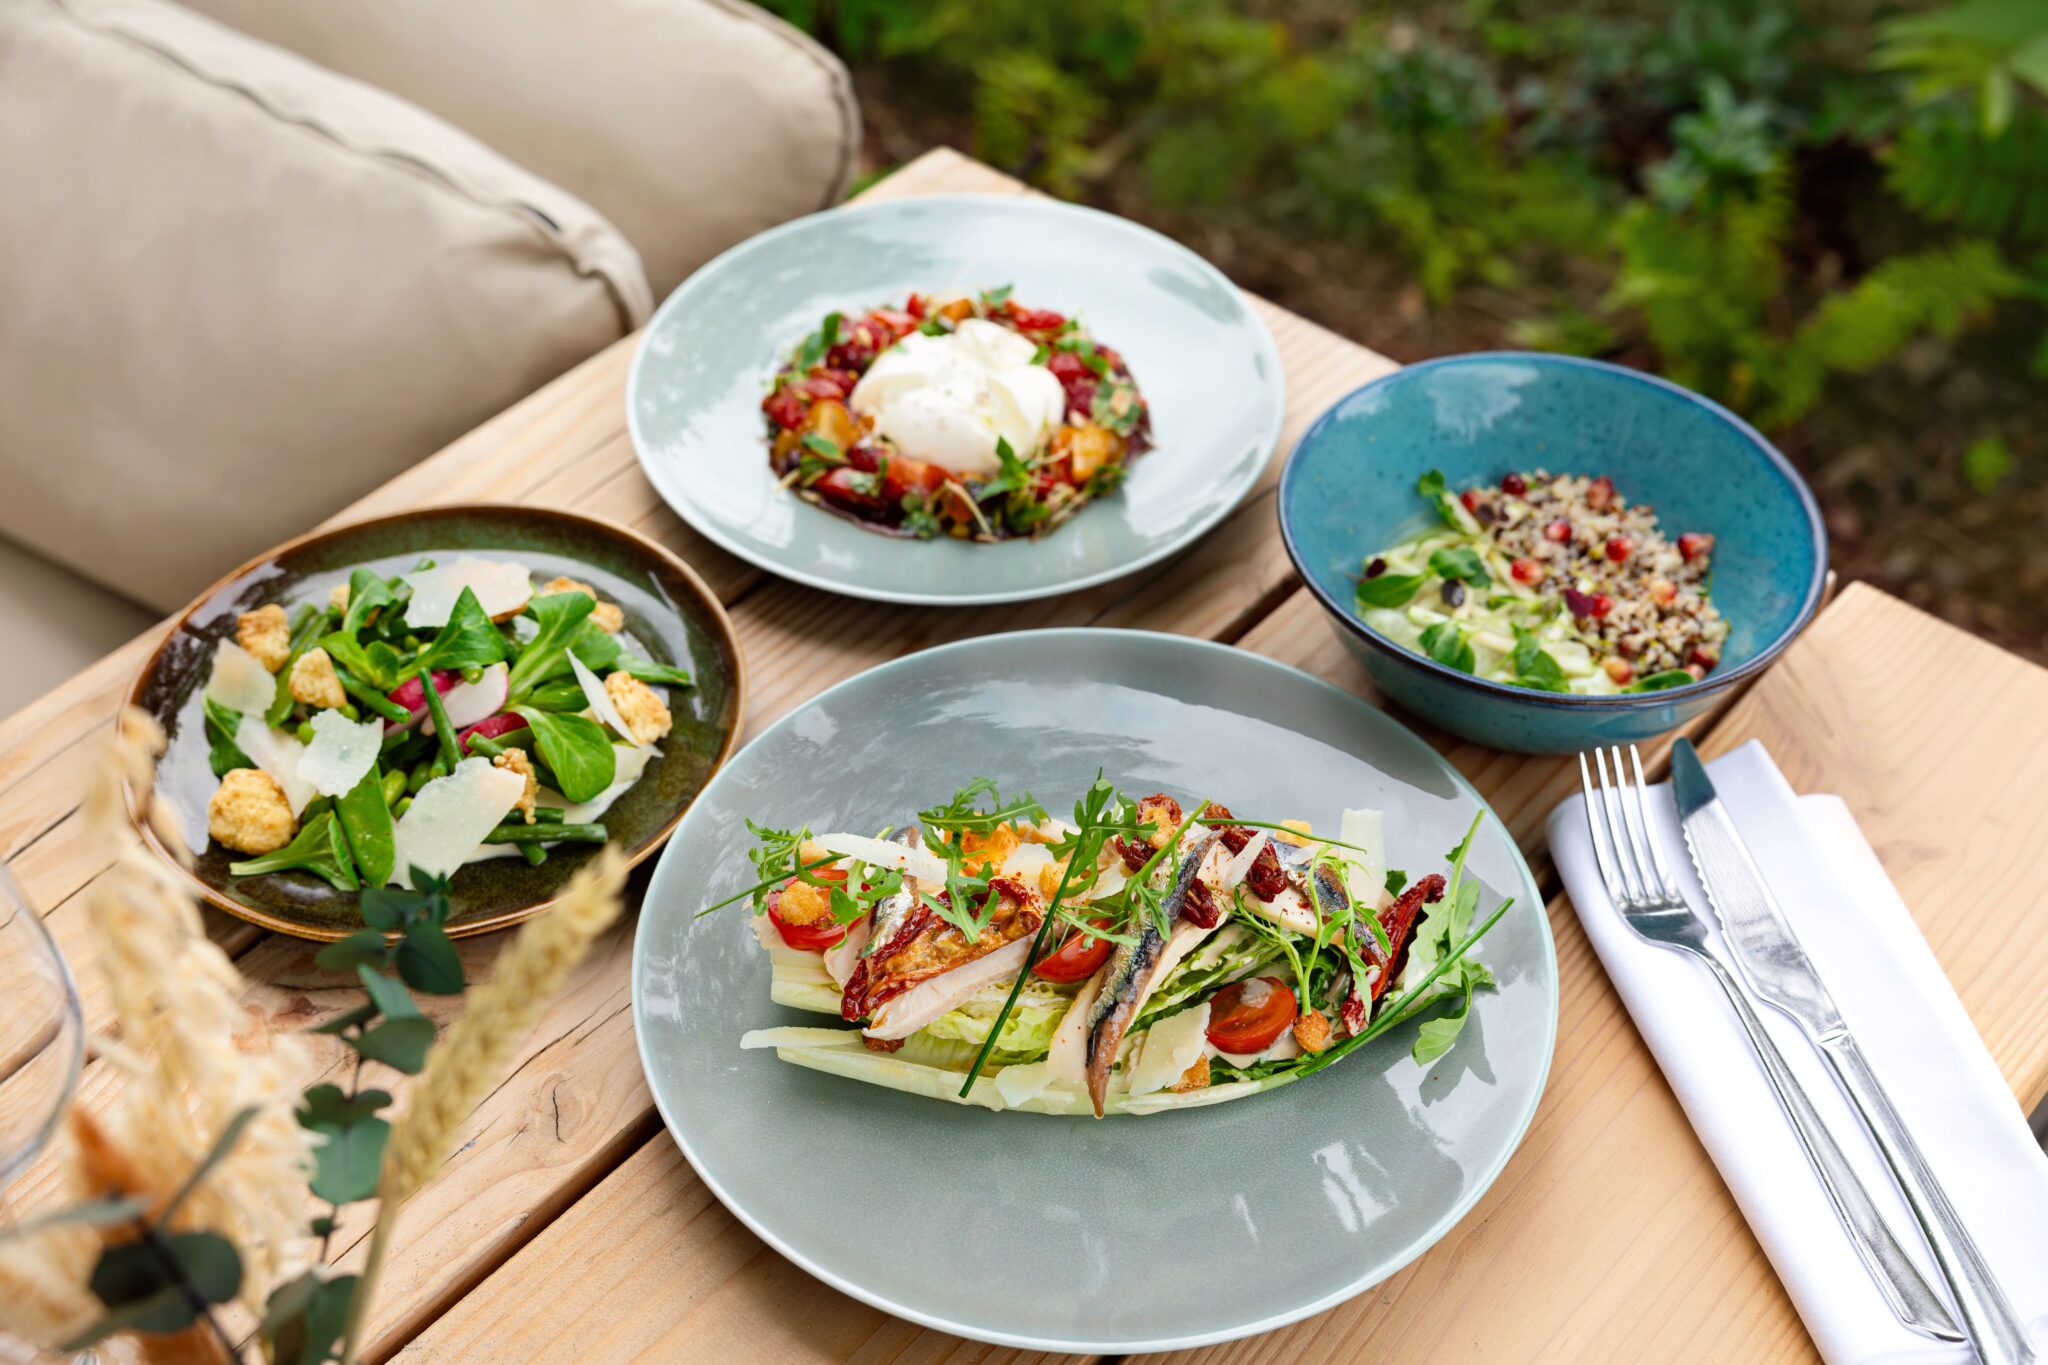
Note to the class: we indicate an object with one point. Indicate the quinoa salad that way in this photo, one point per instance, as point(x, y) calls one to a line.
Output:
point(1549, 581)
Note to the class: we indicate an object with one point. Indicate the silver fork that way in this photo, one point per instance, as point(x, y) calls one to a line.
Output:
point(1640, 884)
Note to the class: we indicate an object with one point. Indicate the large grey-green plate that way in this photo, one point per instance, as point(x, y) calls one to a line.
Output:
point(1200, 355)
point(1076, 1234)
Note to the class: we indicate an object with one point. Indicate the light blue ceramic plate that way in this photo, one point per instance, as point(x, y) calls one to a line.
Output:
point(1201, 357)
point(1076, 1234)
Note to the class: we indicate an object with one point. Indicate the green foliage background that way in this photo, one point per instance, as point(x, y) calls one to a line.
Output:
point(1831, 215)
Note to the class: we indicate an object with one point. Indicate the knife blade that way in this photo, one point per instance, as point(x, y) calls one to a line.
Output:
point(1777, 968)
point(1757, 932)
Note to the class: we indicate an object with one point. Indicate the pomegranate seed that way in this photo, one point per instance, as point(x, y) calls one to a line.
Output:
point(1602, 604)
point(1620, 671)
point(1693, 544)
point(1559, 531)
point(1619, 547)
point(1514, 483)
point(1470, 499)
point(1696, 671)
point(1526, 571)
point(1705, 656)
point(1600, 494)
point(1663, 592)
point(1581, 603)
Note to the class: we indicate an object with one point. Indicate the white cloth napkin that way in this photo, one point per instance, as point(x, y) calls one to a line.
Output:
point(1904, 1013)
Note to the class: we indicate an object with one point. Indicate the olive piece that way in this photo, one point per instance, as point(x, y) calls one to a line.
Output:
point(1453, 593)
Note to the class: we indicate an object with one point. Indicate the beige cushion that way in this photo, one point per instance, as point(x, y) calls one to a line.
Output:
point(240, 291)
point(52, 624)
point(692, 124)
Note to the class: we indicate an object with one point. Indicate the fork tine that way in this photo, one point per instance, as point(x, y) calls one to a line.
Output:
point(1668, 883)
point(1631, 797)
point(1603, 855)
point(1617, 830)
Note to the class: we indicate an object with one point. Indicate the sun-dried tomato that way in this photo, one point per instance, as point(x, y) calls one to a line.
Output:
point(1266, 878)
point(1398, 920)
point(1199, 906)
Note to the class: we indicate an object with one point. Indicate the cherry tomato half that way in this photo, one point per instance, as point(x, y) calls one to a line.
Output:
point(1247, 1016)
point(846, 487)
point(803, 914)
point(1077, 959)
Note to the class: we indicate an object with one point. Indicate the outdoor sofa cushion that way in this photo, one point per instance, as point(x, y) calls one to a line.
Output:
point(238, 291)
point(689, 123)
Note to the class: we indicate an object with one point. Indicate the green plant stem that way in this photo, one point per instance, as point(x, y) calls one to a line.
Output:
point(366, 1283)
point(152, 1237)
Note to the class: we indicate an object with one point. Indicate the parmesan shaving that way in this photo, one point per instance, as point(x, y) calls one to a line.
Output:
point(501, 590)
point(341, 752)
point(277, 754)
point(238, 681)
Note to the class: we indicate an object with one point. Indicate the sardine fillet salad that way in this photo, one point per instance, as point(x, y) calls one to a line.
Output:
point(1135, 958)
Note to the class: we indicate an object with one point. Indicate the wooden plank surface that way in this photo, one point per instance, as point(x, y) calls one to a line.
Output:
point(1607, 1237)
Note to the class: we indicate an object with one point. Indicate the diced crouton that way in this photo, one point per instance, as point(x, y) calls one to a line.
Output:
point(645, 713)
point(1294, 832)
point(267, 633)
point(249, 813)
point(607, 616)
point(1312, 1030)
point(315, 682)
point(337, 597)
point(1049, 878)
point(1196, 1077)
point(516, 761)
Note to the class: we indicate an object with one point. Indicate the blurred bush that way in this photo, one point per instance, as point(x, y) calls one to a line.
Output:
point(1812, 211)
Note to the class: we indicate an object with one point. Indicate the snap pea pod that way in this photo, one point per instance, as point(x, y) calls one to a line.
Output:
point(437, 711)
point(394, 787)
point(547, 833)
point(370, 697)
point(366, 822)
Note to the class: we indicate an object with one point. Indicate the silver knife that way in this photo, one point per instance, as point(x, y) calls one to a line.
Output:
point(1779, 971)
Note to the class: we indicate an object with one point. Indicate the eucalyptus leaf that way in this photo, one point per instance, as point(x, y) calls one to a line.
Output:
point(92, 1213)
point(400, 1044)
point(575, 748)
point(161, 1310)
point(348, 1163)
point(308, 1329)
point(387, 994)
point(428, 961)
point(383, 908)
point(347, 1019)
point(344, 955)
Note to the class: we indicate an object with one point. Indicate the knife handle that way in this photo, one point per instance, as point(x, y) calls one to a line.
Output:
point(1994, 1330)
point(1897, 1278)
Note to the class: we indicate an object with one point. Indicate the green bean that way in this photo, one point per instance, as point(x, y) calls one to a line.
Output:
point(535, 854)
point(547, 834)
point(547, 815)
point(485, 745)
point(444, 733)
point(370, 696)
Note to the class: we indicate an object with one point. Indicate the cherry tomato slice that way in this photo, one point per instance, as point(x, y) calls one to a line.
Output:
point(905, 475)
point(1077, 959)
point(843, 487)
point(1247, 1016)
point(810, 928)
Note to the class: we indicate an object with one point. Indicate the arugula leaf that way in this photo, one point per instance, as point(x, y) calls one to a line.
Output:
point(1533, 667)
point(469, 640)
point(1460, 562)
point(368, 591)
point(1445, 642)
point(223, 754)
point(575, 748)
point(319, 849)
point(1657, 682)
point(560, 616)
point(1388, 590)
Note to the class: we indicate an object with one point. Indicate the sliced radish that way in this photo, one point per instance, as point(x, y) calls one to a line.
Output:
point(490, 727)
point(467, 702)
point(413, 697)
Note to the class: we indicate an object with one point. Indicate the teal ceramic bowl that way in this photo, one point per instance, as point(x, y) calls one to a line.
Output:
point(1200, 355)
point(1349, 489)
point(1077, 1234)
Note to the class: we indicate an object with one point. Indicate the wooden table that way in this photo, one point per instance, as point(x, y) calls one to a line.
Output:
point(568, 1227)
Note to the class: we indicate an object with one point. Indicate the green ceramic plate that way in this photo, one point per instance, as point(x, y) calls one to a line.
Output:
point(669, 612)
point(1065, 1234)
point(1200, 355)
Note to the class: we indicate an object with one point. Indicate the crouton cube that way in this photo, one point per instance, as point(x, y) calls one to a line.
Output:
point(267, 633)
point(1312, 1030)
point(607, 616)
point(1196, 1077)
point(337, 597)
point(315, 682)
point(640, 706)
point(516, 761)
point(249, 813)
point(1294, 832)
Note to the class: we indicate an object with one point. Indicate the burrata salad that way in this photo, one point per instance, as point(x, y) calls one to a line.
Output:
point(972, 417)
point(413, 723)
